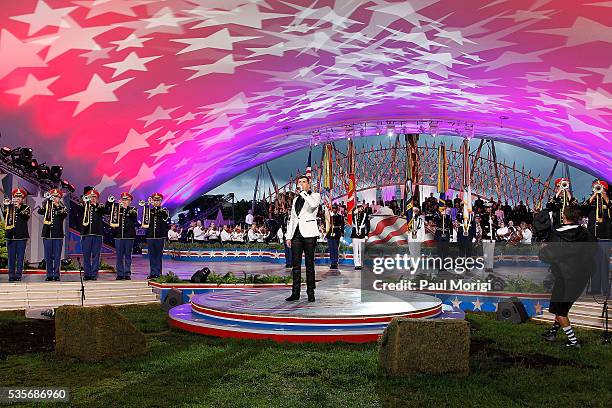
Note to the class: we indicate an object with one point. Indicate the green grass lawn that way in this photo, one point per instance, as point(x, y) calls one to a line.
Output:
point(510, 367)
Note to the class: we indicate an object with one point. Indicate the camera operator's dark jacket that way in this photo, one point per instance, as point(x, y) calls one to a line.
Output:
point(571, 255)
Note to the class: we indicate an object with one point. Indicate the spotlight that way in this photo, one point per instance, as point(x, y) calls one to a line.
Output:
point(43, 171)
point(55, 173)
point(68, 186)
point(390, 130)
point(6, 151)
point(22, 156)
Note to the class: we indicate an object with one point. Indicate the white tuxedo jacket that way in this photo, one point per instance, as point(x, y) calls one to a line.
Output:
point(307, 218)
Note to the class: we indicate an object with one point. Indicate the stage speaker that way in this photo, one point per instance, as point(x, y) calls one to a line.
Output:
point(200, 276)
point(173, 298)
point(512, 312)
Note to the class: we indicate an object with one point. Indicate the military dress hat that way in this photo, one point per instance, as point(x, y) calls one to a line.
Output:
point(56, 192)
point(19, 192)
point(93, 192)
point(603, 184)
point(127, 196)
point(560, 180)
point(157, 196)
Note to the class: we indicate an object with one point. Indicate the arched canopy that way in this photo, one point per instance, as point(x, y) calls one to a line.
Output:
point(178, 96)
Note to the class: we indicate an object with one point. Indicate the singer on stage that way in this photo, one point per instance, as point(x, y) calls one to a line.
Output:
point(302, 234)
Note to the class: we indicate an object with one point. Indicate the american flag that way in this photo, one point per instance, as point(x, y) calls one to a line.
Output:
point(388, 229)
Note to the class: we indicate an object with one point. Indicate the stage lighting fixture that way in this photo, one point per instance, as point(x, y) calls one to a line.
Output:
point(6, 151)
point(68, 186)
point(22, 156)
point(42, 172)
point(55, 173)
point(390, 130)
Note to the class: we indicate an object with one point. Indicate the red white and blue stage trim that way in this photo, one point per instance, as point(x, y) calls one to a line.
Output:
point(338, 315)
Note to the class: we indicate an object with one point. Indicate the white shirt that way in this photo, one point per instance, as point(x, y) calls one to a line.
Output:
point(253, 236)
point(173, 235)
point(237, 236)
point(527, 235)
point(198, 233)
point(503, 231)
point(225, 236)
point(248, 219)
point(212, 234)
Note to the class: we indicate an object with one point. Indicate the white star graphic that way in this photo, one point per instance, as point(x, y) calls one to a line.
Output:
point(44, 16)
point(164, 18)
point(456, 303)
point(95, 55)
point(97, 91)
point(477, 304)
point(221, 40)
point(107, 181)
point(186, 117)
point(158, 90)
point(168, 148)
point(158, 114)
point(145, 174)
point(168, 136)
point(131, 41)
point(99, 7)
point(133, 141)
point(225, 65)
point(33, 87)
point(131, 62)
point(21, 54)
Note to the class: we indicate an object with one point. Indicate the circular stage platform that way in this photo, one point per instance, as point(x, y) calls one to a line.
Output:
point(337, 315)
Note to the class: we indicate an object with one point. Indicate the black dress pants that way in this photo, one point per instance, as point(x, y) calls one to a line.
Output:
point(299, 245)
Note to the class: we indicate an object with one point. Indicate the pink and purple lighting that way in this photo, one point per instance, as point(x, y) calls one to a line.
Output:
point(178, 96)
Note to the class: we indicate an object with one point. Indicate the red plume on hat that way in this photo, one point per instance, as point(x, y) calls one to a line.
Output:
point(56, 192)
point(560, 180)
point(127, 196)
point(603, 184)
point(19, 192)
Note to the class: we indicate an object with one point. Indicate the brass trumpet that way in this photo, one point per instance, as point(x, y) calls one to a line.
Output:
point(111, 199)
point(9, 213)
point(598, 188)
point(564, 185)
point(146, 212)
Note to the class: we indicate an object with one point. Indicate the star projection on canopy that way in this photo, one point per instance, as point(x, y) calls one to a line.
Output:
point(178, 96)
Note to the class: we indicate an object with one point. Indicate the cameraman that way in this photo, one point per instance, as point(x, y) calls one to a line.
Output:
point(571, 255)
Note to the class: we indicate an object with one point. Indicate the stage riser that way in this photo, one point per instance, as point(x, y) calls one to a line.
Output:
point(15, 296)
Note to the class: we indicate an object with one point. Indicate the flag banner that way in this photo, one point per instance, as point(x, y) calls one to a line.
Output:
point(309, 165)
point(442, 169)
point(350, 200)
point(388, 229)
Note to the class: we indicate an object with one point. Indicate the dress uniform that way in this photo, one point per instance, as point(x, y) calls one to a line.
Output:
point(157, 232)
point(54, 212)
point(417, 233)
point(562, 199)
point(442, 236)
point(334, 234)
point(465, 236)
point(599, 211)
point(488, 224)
point(124, 226)
point(16, 216)
point(91, 233)
point(359, 233)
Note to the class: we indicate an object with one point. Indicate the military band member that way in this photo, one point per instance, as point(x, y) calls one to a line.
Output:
point(361, 229)
point(562, 199)
point(465, 235)
point(488, 224)
point(54, 213)
point(334, 234)
point(16, 216)
point(599, 212)
point(442, 235)
point(123, 220)
point(157, 231)
point(91, 232)
point(417, 233)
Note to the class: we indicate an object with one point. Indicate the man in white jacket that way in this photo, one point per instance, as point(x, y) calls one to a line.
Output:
point(301, 237)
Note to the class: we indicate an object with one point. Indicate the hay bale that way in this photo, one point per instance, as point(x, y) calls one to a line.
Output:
point(96, 333)
point(425, 346)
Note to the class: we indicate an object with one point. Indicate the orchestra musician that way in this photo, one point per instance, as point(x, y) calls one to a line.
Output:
point(123, 221)
point(599, 212)
point(334, 233)
point(54, 213)
point(361, 229)
point(155, 220)
point(302, 233)
point(91, 232)
point(16, 216)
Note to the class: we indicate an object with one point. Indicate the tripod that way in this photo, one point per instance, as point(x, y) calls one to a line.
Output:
point(82, 284)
